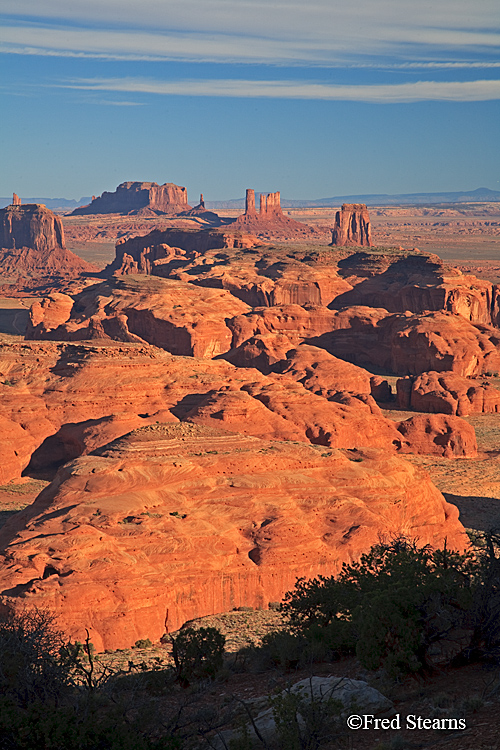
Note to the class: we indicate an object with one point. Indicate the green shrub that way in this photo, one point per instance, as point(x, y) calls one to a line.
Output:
point(30, 665)
point(392, 608)
point(198, 653)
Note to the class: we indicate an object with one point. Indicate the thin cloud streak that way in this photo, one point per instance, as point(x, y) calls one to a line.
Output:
point(453, 91)
point(303, 48)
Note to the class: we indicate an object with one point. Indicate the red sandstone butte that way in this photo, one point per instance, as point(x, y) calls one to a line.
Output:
point(270, 217)
point(447, 393)
point(179, 521)
point(32, 243)
point(352, 226)
point(133, 197)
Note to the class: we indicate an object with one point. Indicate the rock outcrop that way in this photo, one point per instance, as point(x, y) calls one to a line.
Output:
point(405, 281)
point(132, 197)
point(32, 244)
point(440, 435)
point(181, 318)
point(159, 253)
point(174, 522)
point(16, 200)
point(412, 344)
point(352, 226)
point(447, 393)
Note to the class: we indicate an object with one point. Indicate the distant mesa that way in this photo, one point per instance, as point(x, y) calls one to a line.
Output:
point(352, 226)
point(137, 197)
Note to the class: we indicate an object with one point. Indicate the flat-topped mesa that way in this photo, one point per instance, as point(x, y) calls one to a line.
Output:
point(131, 197)
point(32, 225)
point(352, 226)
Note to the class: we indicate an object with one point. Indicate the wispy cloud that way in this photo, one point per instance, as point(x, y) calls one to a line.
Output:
point(279, 32)
point(452, 91)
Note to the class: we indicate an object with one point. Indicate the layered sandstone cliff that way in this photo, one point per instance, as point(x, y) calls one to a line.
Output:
point(135, 197)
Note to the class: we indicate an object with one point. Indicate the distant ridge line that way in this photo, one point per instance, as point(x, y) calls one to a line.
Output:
point(479, 195)
point(376, 199)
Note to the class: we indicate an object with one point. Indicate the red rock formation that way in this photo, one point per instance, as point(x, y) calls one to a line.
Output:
point(16, 200)
point(151, 253)
point(134, 196)
point(270, 220)
point(397, 282)
point(322, 422)
point(352, 226)
point(415, 282)
point(181, 318)
point(176, 522)
point(447, 436)
point(33, 226)
point(81, 394)
point(412, 344)
point(315, 368)
point(250, 203)
point(32, 244)
point(447, 393)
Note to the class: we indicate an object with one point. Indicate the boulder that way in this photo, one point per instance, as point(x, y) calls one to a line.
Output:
point(439, 435)
point(173, 522)
point(354, 696)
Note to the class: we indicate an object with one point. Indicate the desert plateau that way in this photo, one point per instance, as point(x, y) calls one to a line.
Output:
point(200, 407)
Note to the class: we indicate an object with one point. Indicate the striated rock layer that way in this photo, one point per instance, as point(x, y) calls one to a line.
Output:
point(173, 522)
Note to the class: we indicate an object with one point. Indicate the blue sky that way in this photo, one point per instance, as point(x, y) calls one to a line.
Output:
point(319, 99)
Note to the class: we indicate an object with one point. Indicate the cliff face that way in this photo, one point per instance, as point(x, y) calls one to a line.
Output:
point(352, 226)
point(135, 196)
point(32, 225)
